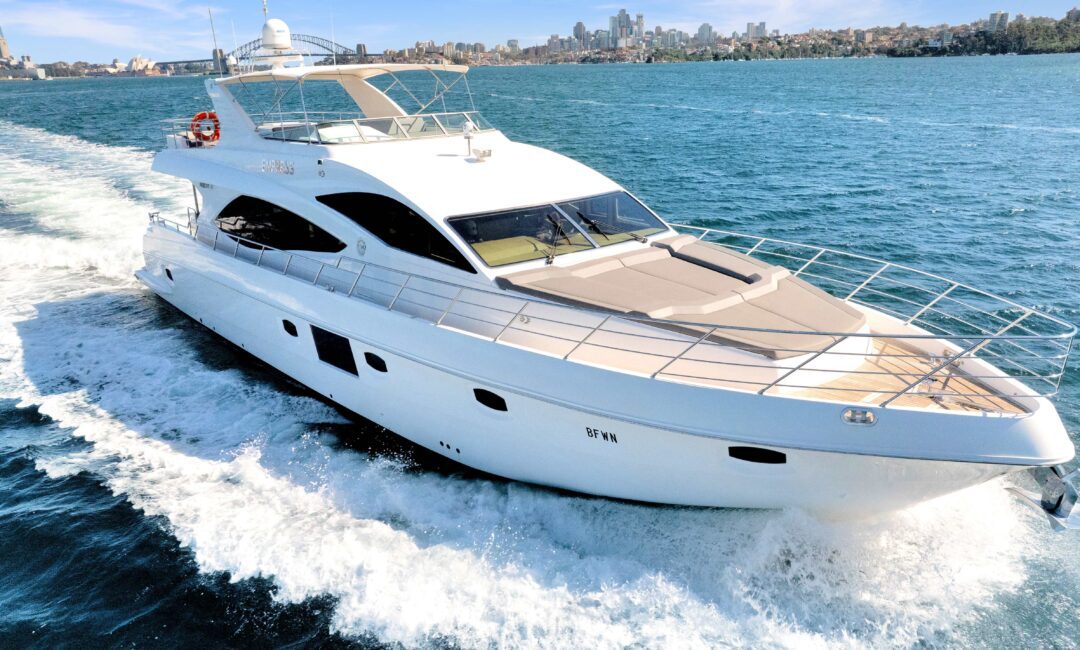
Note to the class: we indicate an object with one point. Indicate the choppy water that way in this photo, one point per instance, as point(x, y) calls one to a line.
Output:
point(158, 488)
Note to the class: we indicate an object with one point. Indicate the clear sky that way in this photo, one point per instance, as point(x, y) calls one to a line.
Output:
point(100, 30)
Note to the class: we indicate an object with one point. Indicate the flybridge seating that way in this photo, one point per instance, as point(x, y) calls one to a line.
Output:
point(276, 104)
point(934, 343)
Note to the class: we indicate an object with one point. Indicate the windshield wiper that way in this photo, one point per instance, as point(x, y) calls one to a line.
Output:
point(557, 232)
point(592, 224)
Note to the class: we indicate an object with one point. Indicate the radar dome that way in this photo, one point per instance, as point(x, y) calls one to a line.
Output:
point(276, 35)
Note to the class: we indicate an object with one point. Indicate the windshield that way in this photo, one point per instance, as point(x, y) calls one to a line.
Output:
point(534, 233)
point(613, 218)
point(520, 235)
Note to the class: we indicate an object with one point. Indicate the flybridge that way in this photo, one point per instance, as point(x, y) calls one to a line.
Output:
point(274, 104)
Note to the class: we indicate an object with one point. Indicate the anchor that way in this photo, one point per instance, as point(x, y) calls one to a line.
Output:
point(1058, 500)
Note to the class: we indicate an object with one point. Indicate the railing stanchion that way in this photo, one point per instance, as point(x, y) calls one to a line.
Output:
point(586, 337)
point(356, 281)
point(397, 295)
point(936, 369)
point(792, 371)
point(675, 358)
point(288, 261)
point(933, 302)
point(450, 306)
point(867, 281)
point(517, 315)
point(810, 261)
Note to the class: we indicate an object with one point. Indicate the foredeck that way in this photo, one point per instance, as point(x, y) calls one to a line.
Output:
point(930, 343)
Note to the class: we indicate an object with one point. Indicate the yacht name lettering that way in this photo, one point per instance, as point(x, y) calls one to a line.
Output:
point(601, 435)
point(278, 167)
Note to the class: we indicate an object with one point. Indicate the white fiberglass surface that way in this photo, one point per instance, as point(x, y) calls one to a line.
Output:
point(255, 479)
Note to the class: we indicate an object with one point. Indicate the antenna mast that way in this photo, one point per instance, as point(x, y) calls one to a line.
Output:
point(333, 39)
point(213, 32)
point(264, 8)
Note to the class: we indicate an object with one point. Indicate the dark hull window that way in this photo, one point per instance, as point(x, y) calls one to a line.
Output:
point(758, 455)
point(489, 399)
point(334, 349)
point(398, 226)
point(267, 224)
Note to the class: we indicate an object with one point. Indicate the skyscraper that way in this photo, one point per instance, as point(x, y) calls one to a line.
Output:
point(639, 26)
point(705, 34)
point(580, 32)
point(999, 21)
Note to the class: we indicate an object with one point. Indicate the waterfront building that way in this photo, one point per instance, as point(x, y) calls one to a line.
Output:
point(514, 45)
point(217, 57)
point(756, 31)
point(864, 37)
point(999, 21)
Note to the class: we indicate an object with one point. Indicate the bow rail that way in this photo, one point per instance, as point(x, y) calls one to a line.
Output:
point(933, 342)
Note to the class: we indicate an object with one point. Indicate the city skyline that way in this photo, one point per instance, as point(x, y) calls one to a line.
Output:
point(51, 30)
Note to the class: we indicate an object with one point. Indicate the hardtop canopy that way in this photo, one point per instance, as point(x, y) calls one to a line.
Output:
point(337, 72)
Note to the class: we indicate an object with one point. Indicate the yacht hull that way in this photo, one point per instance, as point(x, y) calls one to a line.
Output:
point(585, 429)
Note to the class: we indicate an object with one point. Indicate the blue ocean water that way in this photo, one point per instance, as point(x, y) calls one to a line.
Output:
point(159, 488)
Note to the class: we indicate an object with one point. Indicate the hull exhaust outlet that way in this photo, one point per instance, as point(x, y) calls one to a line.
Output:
point(1058, 500)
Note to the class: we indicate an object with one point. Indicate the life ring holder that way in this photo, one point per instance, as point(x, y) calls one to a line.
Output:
point(196, 126)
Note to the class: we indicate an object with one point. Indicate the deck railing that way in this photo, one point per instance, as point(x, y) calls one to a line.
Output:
point(959, 327)
point(341, 127)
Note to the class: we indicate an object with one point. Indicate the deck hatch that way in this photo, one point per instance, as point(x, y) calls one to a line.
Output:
point(334, 350)
point(758, 455)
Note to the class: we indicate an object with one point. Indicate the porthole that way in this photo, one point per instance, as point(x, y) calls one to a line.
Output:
point(289, 327)
point(375, 361)
point(490, 399)
point(758, 455)
point(168, 274)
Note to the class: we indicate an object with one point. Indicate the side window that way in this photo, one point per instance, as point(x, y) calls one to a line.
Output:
point(334, 350)
point(397, 225)
point(267, 224)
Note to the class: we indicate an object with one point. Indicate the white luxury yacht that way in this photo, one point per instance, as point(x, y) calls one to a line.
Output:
point(522, 314)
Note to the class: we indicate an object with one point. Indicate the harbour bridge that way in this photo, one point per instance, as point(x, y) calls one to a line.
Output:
point(250, 48)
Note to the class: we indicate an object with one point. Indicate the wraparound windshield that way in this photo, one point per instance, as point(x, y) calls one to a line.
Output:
point(612, 218)
point(534, 233)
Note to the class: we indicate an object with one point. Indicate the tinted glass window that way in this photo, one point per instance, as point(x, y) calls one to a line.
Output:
point(520, 235)
point(267, 224)
point(398, 226)
point(612, 218)
point(334, 349)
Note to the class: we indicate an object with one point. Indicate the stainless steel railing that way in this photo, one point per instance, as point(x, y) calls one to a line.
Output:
point(968, 347)
point(341, 127)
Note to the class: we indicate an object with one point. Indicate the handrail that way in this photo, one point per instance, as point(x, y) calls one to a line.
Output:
point(567, 331)
point(279, 126)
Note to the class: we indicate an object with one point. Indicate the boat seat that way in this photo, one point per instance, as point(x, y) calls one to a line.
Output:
point(695, 282)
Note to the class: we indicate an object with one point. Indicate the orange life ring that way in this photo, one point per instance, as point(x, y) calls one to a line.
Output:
point(196, 126)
